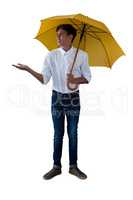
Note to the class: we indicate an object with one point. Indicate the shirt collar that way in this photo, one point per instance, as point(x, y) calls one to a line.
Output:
point(63, 52)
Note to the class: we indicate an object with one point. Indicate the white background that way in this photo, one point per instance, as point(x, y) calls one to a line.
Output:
point(26, 129)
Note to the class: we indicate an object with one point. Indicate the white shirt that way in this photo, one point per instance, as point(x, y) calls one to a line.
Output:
point(58, 63)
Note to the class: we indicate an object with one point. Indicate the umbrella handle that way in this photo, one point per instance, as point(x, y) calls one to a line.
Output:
point(72, 86)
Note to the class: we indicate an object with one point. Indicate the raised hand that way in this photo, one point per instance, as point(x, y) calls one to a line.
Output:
point(21, 66)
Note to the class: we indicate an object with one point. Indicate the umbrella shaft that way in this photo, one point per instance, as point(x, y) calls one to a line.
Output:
point(81, 36)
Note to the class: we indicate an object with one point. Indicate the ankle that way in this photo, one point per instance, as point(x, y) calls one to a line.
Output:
point(56, 166)
point(72, 166)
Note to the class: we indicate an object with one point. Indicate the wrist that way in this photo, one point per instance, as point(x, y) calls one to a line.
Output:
point(28, 69)
point(80, 80)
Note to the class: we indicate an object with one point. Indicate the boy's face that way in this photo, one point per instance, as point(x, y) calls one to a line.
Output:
point(63, 39)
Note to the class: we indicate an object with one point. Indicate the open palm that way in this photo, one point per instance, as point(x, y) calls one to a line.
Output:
point(21, 66)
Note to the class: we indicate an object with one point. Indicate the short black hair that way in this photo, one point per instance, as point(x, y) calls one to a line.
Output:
point(68, 28)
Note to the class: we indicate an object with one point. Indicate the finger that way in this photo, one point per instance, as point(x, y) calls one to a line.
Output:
point(19, 64)
point(15, 65)
point(69, 75)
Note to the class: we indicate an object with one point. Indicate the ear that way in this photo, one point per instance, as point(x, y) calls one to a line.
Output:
point(71, 37)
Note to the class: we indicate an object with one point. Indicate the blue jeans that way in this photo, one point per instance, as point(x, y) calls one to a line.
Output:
point(65, 105)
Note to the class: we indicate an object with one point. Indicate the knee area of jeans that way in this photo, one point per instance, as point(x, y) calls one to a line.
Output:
point(58, 138)
point(72, 135)
point(72, 131)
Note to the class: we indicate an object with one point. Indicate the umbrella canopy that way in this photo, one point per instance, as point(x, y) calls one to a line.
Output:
point(97, 40)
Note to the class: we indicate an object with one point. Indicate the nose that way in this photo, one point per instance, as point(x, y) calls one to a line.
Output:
point(58, 35)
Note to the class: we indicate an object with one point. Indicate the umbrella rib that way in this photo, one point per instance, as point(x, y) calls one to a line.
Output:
point(99, 32)
point(105, 52)
point(102, 31)
point(78, 27)
point(84, 41)
point(92, 36)
point(47, 31)
point(104, 48)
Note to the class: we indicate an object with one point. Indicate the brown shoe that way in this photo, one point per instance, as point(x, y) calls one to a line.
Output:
point(77, 172)
point(52, 173)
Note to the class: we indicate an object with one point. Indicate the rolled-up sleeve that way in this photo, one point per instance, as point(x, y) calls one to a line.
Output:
point(85, 68)
point(46, 69)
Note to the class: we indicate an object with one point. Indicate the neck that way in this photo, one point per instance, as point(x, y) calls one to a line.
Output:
point(66, 48)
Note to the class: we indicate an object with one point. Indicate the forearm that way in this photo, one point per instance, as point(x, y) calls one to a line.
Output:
point(37, 75)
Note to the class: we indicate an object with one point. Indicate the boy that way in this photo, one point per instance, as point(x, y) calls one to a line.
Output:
point(65, 102)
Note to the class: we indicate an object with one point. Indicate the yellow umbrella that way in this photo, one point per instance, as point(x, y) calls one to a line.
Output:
point(92, 36)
